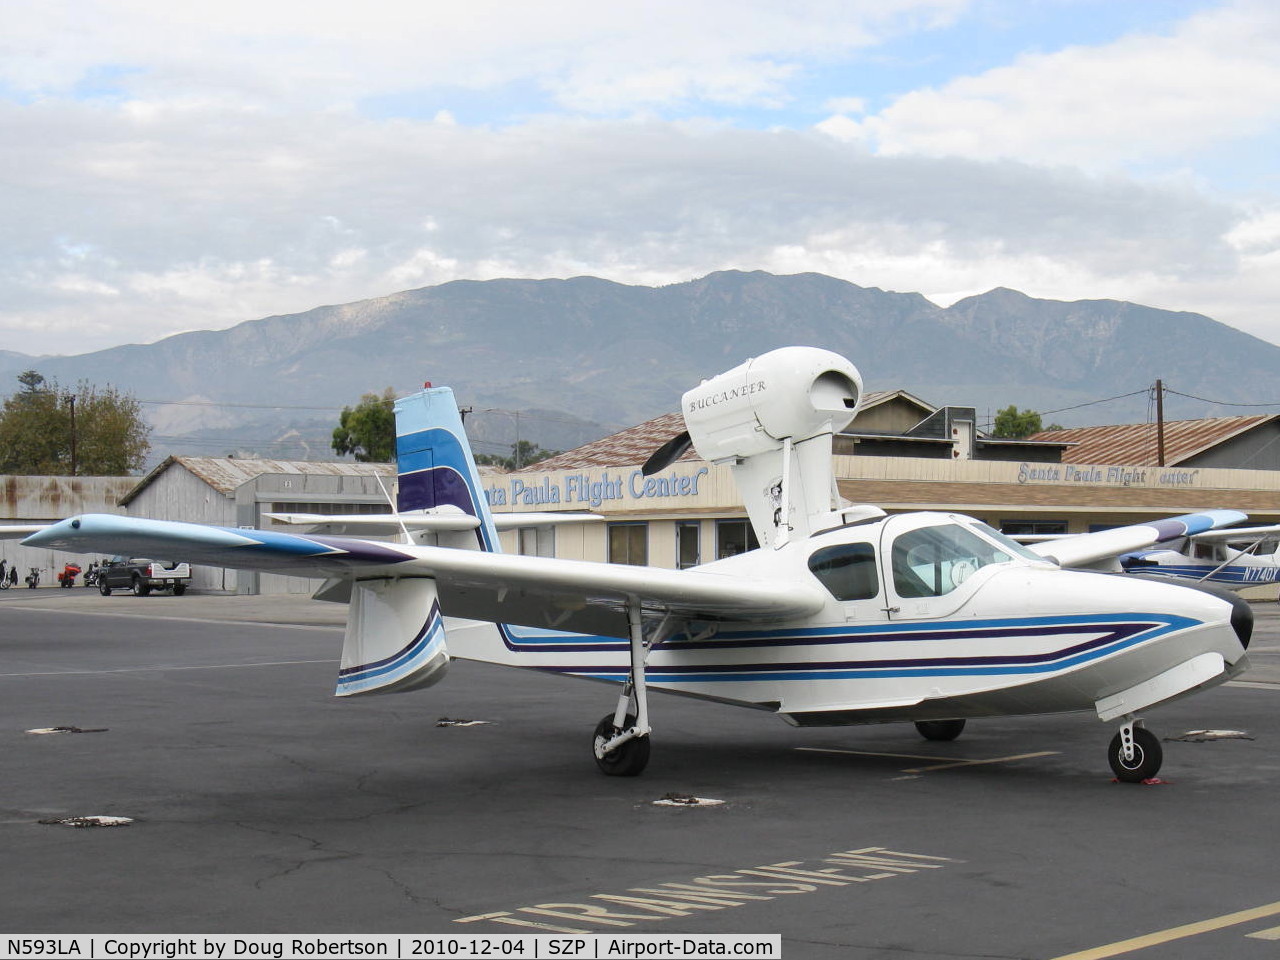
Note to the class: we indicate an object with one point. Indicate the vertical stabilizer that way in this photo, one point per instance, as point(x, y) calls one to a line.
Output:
point(395, 639)
point(435, 468)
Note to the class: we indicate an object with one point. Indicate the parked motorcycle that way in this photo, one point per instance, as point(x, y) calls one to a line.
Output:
point(91, 575)
point(67, 578)
point(33, 578)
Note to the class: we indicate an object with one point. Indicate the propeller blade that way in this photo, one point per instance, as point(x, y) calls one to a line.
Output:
point(667, 454)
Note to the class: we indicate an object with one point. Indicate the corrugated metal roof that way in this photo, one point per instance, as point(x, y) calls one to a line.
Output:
point(631, 446)
point(1136, 443)
point(635, 444)
point(224, 474)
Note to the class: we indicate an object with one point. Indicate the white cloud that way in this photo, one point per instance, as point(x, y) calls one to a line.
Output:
point(194, 229)
point(1140, 98)
point(595, 56)
point(173, 167)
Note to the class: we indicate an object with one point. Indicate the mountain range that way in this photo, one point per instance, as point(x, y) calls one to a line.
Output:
point(581, 357)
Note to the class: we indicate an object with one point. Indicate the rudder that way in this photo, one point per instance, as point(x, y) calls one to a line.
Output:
point(434, 465)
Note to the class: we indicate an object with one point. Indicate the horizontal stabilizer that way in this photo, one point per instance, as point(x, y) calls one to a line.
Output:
point(16, 531)
point(390, 524)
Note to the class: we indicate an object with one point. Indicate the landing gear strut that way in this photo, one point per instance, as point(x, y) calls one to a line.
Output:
point(621, 741)
point(1135, 753)
point(626, 760)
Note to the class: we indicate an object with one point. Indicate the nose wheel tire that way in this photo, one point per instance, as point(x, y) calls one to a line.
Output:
point(1146, 760)
point(939, 729)
point(625, 760)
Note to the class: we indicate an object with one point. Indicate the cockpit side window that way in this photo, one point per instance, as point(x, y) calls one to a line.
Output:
point(848, 570)
point(933, 561)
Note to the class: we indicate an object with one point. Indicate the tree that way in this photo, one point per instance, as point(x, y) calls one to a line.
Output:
point(367, 431)
point(523, 454)
point(90, 432)
point(1014, 424)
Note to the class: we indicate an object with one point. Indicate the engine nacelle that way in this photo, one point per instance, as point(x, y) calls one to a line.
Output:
point(794, 392)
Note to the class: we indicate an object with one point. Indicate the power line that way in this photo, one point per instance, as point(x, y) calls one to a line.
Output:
point(1221, 403)
point(1090, 403)
point(280, 406)
point(247, 406)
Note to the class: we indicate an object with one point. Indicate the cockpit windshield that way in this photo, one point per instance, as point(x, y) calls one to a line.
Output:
point(933, 561)
point(1008, 543)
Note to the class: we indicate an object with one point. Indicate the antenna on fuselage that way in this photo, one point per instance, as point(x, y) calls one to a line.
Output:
point(395, 511)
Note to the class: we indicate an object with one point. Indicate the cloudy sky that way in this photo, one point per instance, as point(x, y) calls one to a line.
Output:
point(168, 167)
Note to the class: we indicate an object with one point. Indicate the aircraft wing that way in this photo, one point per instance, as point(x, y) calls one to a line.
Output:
point(1085, 549)
point(574, 595)
point(1239, 535)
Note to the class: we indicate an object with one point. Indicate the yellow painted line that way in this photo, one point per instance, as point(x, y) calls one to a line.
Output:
point(978, 763)
point(1272, 934)
point(868, 753)
point(1173, 933)
point(942, 763)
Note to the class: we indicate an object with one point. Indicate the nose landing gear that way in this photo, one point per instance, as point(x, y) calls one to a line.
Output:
point(1135, 754)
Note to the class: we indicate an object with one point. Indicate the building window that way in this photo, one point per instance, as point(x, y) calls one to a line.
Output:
point(734, 537)
point(629, 543)
point(847, 570)
point(536, 541)
point(1032, 528)
point(688, 544)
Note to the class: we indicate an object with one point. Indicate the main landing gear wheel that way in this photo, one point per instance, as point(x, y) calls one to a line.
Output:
point(1146, 759)
point(625, 760)
point(940, 729)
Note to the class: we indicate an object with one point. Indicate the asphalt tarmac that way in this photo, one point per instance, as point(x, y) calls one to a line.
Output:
point(261, 804)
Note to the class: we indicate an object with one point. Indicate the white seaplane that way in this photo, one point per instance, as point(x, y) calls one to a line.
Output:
point(844, 615)
point(1234, 558)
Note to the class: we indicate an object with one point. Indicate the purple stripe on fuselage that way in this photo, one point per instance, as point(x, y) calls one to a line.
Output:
point(803, 665)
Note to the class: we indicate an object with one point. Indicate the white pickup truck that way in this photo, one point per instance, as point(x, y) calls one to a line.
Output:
point(143, 576)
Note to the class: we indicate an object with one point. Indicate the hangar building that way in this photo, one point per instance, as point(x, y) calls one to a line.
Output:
point(903, 455)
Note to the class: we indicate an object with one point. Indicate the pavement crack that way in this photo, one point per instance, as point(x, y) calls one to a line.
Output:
point(299, 863)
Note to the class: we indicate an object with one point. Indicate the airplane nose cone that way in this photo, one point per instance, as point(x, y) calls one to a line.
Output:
point(1241, 612)
point(1242, 619)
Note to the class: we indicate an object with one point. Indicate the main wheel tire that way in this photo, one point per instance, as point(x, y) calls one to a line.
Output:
point(940, 729)
point(179, 589)
point(1147, 756)
point(140, 589)
point(627, 760)
point(103, 588)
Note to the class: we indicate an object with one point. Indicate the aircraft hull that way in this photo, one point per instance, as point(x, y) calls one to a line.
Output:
point(835, 674)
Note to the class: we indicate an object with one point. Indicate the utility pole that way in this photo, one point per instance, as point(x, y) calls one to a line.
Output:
point(518, 464)
point(71, 402)
point(1159, 423)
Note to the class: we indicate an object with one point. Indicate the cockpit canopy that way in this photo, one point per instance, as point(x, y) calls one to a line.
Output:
point(927, 561)
point(933, 561)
